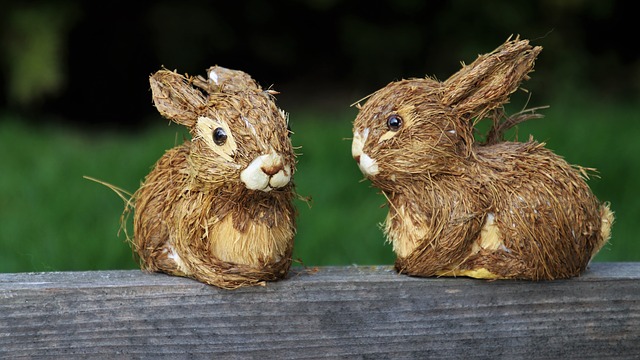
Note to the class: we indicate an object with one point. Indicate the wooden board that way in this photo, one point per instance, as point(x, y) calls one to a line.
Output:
point(341, 312)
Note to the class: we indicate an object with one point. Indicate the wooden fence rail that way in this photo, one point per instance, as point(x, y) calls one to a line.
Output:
point(340, 312)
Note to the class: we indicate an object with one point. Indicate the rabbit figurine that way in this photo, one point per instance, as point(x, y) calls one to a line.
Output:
point(219, 207)
point(493, 210)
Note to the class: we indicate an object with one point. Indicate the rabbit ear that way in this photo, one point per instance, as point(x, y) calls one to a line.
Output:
point(175, 98)
point(488, 82)
point(229, 81)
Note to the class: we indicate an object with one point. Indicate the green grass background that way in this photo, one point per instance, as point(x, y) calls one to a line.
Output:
point(52, 219)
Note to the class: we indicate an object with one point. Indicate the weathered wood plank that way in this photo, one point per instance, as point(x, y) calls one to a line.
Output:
point(343, 312)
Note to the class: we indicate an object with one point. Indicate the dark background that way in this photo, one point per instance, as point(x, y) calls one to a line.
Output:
point(88, 62)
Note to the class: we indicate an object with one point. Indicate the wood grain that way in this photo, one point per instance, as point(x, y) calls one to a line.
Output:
point(339, 312)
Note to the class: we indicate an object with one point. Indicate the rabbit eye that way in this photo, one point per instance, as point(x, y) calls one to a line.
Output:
point(394, 122)
point(219, 136)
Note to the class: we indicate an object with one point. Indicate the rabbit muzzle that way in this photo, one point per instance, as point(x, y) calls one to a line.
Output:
point(266, 172)
point(367, 165)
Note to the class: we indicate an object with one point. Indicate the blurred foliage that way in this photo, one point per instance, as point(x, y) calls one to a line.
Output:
point(33, 44)
point(51, 218)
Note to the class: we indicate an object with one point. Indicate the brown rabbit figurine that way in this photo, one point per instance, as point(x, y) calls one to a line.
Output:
point(219, 208)
point(496, 210)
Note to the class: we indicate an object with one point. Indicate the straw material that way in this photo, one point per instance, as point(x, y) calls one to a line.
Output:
point(194, 216)
point(494, 210)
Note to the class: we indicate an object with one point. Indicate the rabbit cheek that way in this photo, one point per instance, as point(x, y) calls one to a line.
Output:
point(281, 178)
point(367, 165)
point(254, 178)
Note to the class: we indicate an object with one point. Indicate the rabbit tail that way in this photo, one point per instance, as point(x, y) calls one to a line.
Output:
point(608, 218)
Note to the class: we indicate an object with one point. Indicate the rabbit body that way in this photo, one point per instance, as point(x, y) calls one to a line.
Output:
point(459, 208)
point(219, 207)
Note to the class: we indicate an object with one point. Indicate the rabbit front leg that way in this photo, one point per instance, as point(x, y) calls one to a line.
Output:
point(429, 238)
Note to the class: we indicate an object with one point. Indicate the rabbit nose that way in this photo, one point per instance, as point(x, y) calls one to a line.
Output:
point(266, 172)
point(357, 158)
point(272, 169)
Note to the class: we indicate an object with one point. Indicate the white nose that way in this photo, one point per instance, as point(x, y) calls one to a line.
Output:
point(367, 165)
point(266, 172)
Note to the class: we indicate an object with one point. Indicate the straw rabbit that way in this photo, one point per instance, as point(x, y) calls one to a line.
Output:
point(219, 208)
point(460, 208)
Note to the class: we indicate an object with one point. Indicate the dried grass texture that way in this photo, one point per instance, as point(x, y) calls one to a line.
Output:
point(194, 215)
point(497, 209)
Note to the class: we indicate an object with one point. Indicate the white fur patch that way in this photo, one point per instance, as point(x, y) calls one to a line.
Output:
point(255, 178)
point(367, 165)
point(490, 237)
point(281, 178)
point(213, 76)
point(358, 142)
point(171, 254)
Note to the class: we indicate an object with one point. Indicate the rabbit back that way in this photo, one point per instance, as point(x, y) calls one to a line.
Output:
point(526, 214)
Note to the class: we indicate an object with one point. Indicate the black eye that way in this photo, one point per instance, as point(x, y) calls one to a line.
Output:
point(394, 122)
point(219, 136)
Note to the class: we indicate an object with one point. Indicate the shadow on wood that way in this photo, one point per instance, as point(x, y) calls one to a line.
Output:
point(343, 312)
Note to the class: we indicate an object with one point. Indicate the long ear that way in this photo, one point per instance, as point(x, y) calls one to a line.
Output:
point(488, 82)
point(175, 98)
